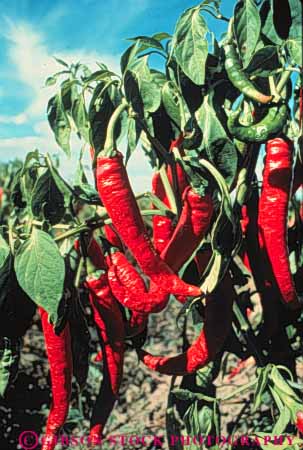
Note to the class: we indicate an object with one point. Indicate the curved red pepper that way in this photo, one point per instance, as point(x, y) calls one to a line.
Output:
point(59, 355)
point(94, 253)
point(113, 237)
point(273, 212)
point(109, 320)
point(216, 329)
point(129, 288)
point(192, 226)
point(117, 197)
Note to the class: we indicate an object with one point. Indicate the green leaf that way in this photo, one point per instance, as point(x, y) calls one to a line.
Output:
point(295, 40)
point(133, 134)
point(4, 251)
point(80, 117)
point(282, 422)
point(220, 149)
point(50, 81)
point(161, 36)
point(190, 45)
point(60, 61)
point(100, 111)
point(99, 75)
point(59, 122)
point(267, 21)
point(261, 386)
point(9, 361)
point(294, 46)
point(264, 62)
point(40, 271)
point(148, 84)
point(47, 199)
point(148, 42)
point(171, 102)
point(247, 26)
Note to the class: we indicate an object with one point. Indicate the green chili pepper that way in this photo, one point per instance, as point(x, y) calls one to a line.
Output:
point(236, 74)
point(268, 127)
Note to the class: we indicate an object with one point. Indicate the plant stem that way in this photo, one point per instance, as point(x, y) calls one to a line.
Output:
point(168, 189)
point(109, 146)
point(283, 81)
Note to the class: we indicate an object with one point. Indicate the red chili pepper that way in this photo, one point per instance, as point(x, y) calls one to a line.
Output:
point(113, 237)
point(273, 212)
point(109, 320)
point(163, 227)
point(216, 328)
point(59, 355)
point(191, 228)
point(117, 197)
point(94, 253)
point(299, 421)
point(1, 195)
point(129, 288)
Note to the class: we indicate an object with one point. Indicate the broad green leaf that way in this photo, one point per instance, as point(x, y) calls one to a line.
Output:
point(220, 149)
point(267, 22)
point(148, 84)
point(171, 102)
point(80, 117)
point(100, 111)
point(40, 271)
point(133, 134)
point(247, 26)
point(295, 46)
point(47, 199)
point(4, 251)
point(99, 75)
point(148, 42)
point(59, 122)
point(161, 36)
point(295, 40)
point(264, 62)
point(190, 45)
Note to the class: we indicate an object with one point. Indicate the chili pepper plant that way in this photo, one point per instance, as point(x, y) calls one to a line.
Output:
point(218, 234)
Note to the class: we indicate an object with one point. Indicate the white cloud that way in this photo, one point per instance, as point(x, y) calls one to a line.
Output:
point(33, 62)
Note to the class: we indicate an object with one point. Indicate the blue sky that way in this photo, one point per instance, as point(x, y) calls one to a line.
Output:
point(32, 32)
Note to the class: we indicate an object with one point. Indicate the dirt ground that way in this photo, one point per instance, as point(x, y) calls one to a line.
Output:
point(142, 405)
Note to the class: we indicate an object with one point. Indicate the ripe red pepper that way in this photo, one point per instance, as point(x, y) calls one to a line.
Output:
point(299, 421)
point(129, 288)
point(113, 237)
point(210, 341)
point(59, 355)
point(192, 226)
point(117, 197)
point(273, 212)
point(94, 253)
point(162, 226)
point(109, 320)
point(1, 195)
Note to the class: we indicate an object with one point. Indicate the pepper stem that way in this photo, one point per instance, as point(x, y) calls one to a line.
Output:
point(168, 189)
point(110, 141)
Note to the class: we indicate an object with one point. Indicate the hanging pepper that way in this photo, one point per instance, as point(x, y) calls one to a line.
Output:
point(163, 226)
point(59, 355)
point(235, 71)
point(109, 320)
point(192, 226)
point(273, 212)
point(112, 237)
point(130, 290)
point(218, 319)
point(117, 197)
point(94, 252)
point(270, 126)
